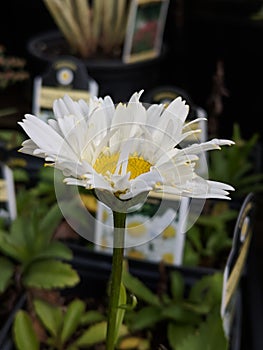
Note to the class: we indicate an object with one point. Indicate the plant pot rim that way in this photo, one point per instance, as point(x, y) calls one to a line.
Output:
point(37, 47)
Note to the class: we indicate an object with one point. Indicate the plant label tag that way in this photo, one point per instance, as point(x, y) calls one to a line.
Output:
point(154, 232)
point(236, 262)
point(65, 76)
point(145, 27)
point(7, 194)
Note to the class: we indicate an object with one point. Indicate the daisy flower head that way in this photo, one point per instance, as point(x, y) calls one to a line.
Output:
point(123, 151)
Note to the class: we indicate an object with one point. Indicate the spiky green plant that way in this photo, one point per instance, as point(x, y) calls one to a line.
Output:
point(190, 318)
point(30, 258)
point(237, 165)
point(91, 27)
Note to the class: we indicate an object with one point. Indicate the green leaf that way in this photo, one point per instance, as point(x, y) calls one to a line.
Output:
point(24, 236)
point(254, 179)
point(177, 285)
point(95, 334)
point(20, 175)
point(210, 336)
point(24, 334)
point(194, 236)
point(7, 269)
point(55, 249)
point(191, 257)
point(19, 230)
point(50, 274)
point(217, 242)
point(51, 221)
point(50, 315)
point(72, 347)
point(12, 249)
point(92, 317)
point(72, 319)
point(201, 309)
point(235, 164)
point(208, 290)
point(120, 311)
point(139, 289)
point(146, 318)
point(176, 334)
point(180, 314)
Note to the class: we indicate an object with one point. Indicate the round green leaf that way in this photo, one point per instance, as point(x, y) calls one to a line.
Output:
point(50, 274)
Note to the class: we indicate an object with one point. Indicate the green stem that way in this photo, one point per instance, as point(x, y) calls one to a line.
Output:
point(116, 277)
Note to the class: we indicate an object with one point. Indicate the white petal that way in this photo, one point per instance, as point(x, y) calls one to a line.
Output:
point(82, 131)
point(153, 115)
point(178, 109)
point(143, 183)
point(191, 122)
point(135, 97)
point(207, 146)
point(121, 182)
point(75, 182)
point(220, 185)
point(43, 135)
point(66, 106)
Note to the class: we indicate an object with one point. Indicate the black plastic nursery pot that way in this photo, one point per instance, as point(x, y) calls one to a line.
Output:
point(114, 77)
point(97, 265)
point(94, 269)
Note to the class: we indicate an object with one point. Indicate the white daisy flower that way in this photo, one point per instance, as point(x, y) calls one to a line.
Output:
point(123, 151)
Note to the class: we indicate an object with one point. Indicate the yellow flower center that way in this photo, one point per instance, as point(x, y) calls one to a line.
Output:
point(108, 163)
